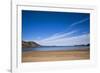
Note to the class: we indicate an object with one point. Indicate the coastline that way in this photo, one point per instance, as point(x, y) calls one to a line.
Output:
point(61, 55)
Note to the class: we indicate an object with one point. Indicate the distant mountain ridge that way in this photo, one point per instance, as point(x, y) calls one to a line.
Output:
point(29, 44)
point(83, 45)
point(32, 44)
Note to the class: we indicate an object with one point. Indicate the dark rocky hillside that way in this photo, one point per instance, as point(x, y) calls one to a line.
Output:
point(29, 44)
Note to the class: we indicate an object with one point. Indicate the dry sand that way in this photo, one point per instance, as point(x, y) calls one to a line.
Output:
point(40, 56)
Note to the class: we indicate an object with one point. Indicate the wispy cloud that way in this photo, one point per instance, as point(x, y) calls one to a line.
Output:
point(63, 39)
point(58, 35)
point(78, 22)
point(68, 41)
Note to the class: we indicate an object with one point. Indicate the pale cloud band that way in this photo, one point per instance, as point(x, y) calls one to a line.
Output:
point(58, 36)
point(66, 39)
point(78, 22)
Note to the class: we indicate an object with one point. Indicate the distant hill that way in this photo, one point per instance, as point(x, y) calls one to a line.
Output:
point(83, 45)
point(29, 44)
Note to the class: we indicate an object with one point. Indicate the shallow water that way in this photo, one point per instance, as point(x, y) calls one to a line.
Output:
point(55, 48)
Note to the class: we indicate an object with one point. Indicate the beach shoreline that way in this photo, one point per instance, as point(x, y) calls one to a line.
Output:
point(61, 55)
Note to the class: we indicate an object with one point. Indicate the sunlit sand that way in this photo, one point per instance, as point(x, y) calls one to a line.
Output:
point(43, 56)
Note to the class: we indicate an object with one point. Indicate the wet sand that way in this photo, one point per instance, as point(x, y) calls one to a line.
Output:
point(43, 56)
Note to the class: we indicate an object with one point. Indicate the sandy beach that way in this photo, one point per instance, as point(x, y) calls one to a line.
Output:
point(40, 56)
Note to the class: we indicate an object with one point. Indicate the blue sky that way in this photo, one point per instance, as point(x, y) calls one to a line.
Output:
point(55, 28)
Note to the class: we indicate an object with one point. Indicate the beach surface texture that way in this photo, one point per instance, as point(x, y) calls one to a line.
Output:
point(61, 55)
